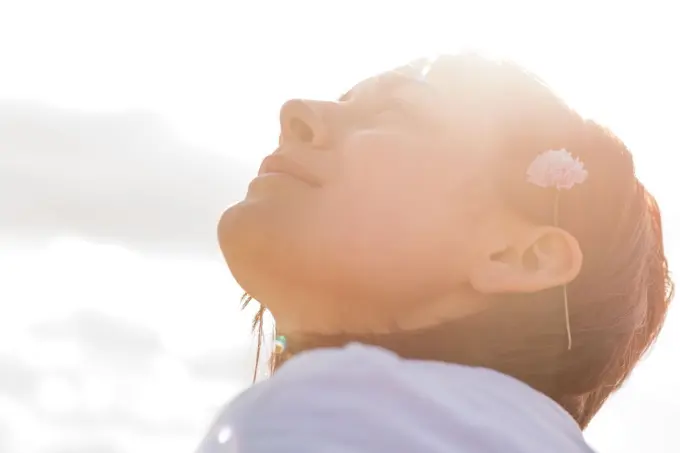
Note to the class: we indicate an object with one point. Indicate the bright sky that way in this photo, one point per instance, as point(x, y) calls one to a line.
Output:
point(217, 75)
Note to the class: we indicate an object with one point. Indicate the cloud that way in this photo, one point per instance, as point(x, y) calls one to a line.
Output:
point(234, 365)
point(123, 178)
point(5, 436)
point(18, 379)
point(105, 338)
point(120, 420)
point(634, 420)
point(85, 448)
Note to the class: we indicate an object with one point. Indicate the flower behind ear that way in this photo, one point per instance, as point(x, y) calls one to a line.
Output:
point(557, 169)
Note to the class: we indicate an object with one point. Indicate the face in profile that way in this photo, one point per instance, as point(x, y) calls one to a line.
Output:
point(406, 204)
point(375, 207)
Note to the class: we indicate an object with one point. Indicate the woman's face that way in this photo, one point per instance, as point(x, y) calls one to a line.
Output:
point(368, 213)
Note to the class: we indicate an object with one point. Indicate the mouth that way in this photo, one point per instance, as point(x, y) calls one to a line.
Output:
point(282, 165)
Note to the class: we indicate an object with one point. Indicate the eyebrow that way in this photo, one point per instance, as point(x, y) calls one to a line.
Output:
point(389, 82)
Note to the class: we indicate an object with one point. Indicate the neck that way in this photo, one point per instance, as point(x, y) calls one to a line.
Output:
point(494, 338)
point(334, 317)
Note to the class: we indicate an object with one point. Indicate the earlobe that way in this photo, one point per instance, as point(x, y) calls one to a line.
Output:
point(543, 258)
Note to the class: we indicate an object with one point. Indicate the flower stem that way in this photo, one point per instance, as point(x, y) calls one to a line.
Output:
point(556, 221)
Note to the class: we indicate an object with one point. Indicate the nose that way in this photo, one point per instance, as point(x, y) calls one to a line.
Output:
point(302, 121)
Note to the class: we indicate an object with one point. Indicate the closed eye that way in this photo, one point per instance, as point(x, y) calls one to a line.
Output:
point(381, 102)
point(393, 105)
point(397, 109)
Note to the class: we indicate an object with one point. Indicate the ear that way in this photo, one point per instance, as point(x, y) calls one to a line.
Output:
point(540, 258)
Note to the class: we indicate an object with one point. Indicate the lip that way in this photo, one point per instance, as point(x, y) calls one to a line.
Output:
point(281, 164)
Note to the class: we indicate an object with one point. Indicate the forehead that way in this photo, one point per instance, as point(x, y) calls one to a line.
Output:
point(447, 77)
point(452, 74)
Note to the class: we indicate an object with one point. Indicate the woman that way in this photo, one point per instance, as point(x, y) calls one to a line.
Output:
point(456, 261)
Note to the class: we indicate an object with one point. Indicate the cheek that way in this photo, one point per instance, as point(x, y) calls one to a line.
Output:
point(393, 208)
point(392, 168)
point(385, 157)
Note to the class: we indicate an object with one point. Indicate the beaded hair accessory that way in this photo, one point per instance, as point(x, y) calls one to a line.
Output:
point(279, 344)
point(558, 170)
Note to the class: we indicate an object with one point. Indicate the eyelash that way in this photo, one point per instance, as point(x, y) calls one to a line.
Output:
point(388, 105)
point(392, 105)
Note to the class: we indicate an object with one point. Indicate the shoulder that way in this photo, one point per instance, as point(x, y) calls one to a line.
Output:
point(371, 399)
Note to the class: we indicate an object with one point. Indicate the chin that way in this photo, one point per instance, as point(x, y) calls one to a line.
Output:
point(234, 234)
point(271, 252)
point(252, 242)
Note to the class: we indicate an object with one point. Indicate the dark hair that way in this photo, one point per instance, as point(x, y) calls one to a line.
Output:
point(619, 300)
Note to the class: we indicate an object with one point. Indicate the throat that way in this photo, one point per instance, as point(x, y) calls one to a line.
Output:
point(338, 319)
point(441, 343)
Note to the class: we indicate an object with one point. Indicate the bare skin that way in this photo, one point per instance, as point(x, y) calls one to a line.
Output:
point(370, 218)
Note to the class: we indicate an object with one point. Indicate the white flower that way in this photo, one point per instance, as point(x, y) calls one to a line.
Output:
point(556, 168)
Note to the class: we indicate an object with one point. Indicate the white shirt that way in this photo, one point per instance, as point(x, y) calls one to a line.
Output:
point(362, 399)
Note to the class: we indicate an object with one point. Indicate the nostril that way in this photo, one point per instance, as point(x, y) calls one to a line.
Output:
point(300, 130)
